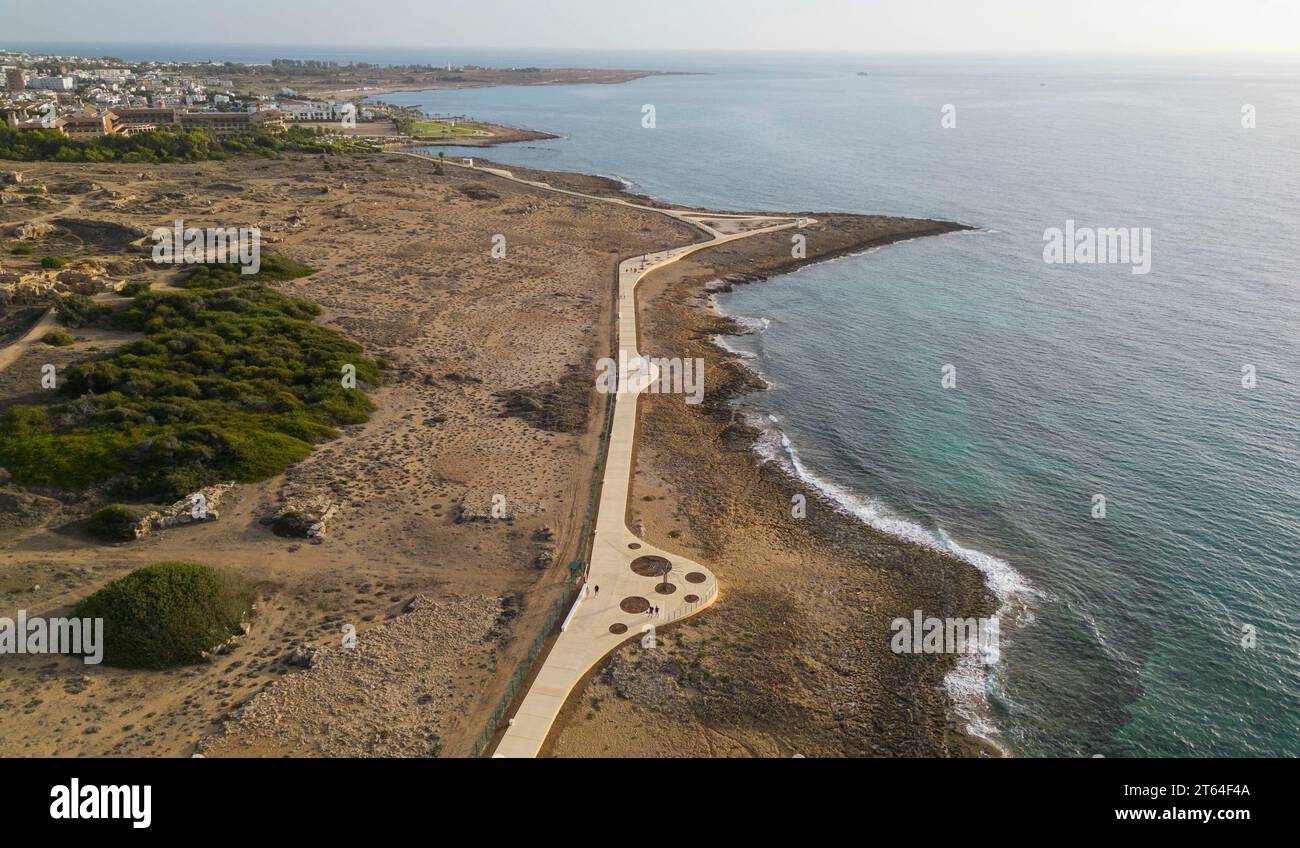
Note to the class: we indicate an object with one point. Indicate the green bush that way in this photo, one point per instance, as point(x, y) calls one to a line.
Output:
point(23, 250)
point(225, 384)
point(167, 614)
point(59, 338)
point(134, 287)
point(273, 268)
point(78, 310)
point(115, 522)
point(53, 262)
point(166, 144)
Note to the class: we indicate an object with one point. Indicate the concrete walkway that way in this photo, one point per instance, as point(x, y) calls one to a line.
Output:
point(601, 620)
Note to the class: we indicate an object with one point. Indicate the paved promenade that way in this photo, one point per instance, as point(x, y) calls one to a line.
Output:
point(632, 575)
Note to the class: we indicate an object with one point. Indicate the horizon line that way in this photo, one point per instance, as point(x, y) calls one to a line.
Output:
point(912, 51)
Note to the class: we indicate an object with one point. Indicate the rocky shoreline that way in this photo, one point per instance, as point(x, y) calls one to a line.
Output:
point(794, 658)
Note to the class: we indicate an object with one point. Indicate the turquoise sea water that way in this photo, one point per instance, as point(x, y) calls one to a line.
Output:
point(1072, 380)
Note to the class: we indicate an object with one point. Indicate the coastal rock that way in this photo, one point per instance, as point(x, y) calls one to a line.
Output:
point(13, 177)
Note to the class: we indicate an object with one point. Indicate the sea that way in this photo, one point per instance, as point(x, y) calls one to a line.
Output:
point(1118, 452)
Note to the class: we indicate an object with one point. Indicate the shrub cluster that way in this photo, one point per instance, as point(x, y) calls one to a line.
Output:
point(165, 144)
point(273, 268)
point(225, 384)
point(170, 613)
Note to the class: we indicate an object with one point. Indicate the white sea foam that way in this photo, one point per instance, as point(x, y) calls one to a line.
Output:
point(751, 326)
point(627, 184)
point(721, 342)
point(970, 682)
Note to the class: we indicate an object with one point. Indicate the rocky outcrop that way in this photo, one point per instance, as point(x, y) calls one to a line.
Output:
point(26, 289)
point(32, 231)
point(199, 506)
point(106, 234)
point(81, 281)
point(305, 517)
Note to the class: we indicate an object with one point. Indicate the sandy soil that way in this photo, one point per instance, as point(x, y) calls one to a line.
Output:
point(404, 267)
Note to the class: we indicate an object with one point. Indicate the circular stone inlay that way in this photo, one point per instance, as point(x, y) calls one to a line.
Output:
point(634, 604)
point(690, 599)
point(618, 628)
point(696, 577)
point(665, 588)
point(651, 566)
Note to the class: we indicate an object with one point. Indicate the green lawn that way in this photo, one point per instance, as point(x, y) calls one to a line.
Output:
point(425, 129)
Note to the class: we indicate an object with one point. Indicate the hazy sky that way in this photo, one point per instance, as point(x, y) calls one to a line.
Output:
point(1237, 26)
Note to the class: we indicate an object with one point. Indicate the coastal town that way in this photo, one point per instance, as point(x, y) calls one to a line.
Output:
point(92, 97)
point(89, 98)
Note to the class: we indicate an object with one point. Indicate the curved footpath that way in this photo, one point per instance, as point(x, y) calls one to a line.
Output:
point(603, 618)
point(11, 353)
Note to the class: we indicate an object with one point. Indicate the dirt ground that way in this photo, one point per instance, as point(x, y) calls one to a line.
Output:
point(404, 267)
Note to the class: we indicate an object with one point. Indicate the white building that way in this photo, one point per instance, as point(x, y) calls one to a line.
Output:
point(52, 83)
point(308, 110)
